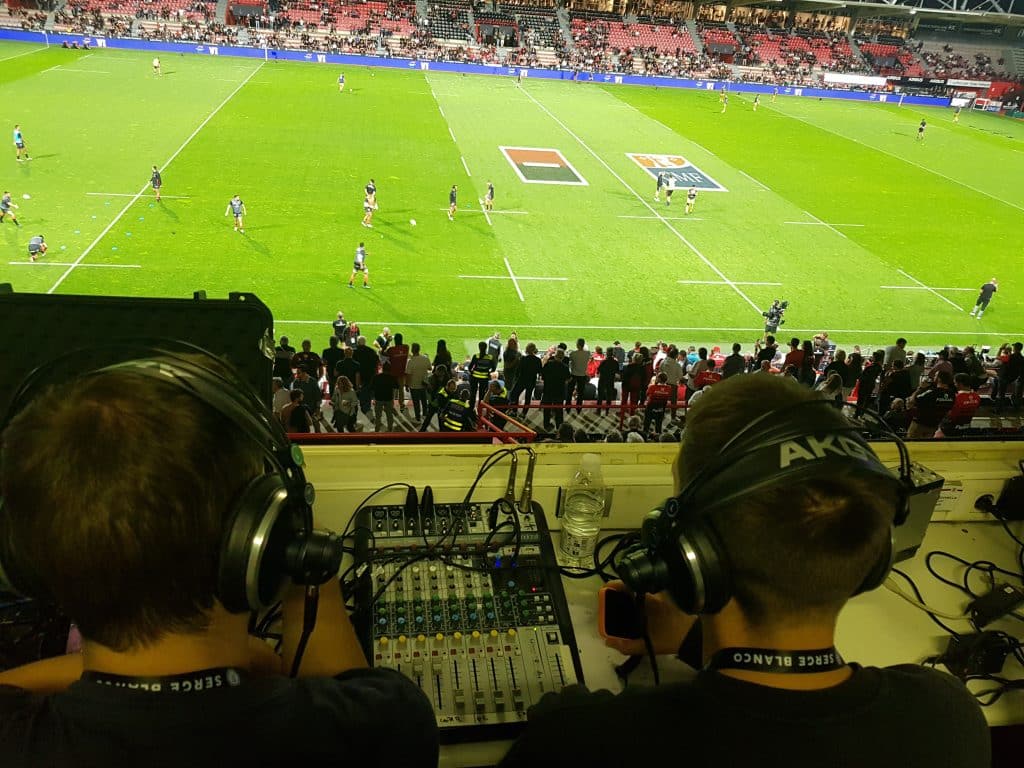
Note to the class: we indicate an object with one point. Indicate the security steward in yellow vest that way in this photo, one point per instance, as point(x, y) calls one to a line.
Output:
point(438, 401)
point(497, 395)
point(481, 367)
point(457, 415)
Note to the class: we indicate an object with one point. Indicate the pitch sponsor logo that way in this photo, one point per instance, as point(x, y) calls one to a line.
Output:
point(685, 173)
point(542, 166)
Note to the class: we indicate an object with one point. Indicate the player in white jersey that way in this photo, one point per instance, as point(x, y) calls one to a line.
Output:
point(359, 265)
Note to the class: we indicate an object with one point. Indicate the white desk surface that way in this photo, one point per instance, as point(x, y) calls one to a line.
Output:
point(875, 629)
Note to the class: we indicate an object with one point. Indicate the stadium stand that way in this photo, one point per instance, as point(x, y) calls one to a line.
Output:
point(999, 413)
point(753, 44)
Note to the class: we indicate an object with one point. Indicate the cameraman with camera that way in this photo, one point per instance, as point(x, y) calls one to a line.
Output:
point(773, 317)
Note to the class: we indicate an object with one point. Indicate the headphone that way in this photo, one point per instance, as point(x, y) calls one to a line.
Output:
point(680, 549)
point(268, 535)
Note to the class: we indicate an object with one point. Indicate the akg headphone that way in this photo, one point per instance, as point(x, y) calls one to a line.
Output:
point(268, 536)
point(680, 549)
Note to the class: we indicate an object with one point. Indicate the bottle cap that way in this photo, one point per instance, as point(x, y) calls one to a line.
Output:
point(590, 462)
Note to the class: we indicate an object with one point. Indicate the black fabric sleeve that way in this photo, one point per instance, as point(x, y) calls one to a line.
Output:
point(384, 715)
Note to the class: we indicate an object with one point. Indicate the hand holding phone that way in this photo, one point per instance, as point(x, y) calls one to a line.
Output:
point(620, 624)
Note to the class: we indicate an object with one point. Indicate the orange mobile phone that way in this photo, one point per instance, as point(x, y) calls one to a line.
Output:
point(618, 615)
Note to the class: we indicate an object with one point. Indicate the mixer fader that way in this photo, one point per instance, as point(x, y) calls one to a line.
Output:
point(466, 600)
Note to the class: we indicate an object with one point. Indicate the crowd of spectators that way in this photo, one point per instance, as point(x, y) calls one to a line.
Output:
point(772, 47)
point(27, 18)
point(949, 63)
point(635, 393)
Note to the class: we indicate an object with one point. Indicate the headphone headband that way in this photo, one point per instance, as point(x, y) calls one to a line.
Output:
point(680, 548)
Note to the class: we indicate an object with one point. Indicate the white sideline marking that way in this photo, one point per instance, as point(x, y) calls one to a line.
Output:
point(764, 187)
point(922, 288)
point(486, 213)
point(506, 277)
point(647, 205)
point(720, 282)
point(542, 165)
point(506, 213)
point(666, 218)
point(821, 224)
point(26, 53)
point(760, 329)
point(465, 166)
point(61, 68)
point(77, 262)
point(931, 290)
point(127, 194)
point(69, 263)
point(904, 159)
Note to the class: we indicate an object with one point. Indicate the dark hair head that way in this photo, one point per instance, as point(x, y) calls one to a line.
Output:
point(333, 341)
point(901, 342)
point(117, 488)
point(796, 548)
point(398, 339)
point(482, 346)
point(737, 347)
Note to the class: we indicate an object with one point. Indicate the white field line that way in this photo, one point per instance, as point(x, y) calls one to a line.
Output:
point(821, 224)
point(69, 263)
point(643, 201)
point(819, 221)
point(904, 159)
point(759, 329)
point(26, 53)
point(514, 281)
point(764, 187)
point(506, 277)
point(720, 282)
point(931, 290)
point(77, 262)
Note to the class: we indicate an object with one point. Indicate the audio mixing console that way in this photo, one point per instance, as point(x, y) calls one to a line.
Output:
point(467, 601)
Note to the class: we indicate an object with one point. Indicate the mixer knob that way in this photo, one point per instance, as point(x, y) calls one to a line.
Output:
point(421, 640)
point(457, 636)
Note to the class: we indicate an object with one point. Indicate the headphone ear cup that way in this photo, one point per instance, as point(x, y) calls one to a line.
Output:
point(701, 581)
point(252, 569)
point(883, 565)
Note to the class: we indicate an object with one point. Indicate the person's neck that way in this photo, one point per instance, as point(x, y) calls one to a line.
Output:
point(223, 644)
point(730, 629)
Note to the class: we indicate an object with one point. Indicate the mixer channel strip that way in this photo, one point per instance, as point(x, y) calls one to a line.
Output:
point(475, 615)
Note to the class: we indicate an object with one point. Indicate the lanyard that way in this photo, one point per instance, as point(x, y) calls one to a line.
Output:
point(189, 682)
point(773, 660)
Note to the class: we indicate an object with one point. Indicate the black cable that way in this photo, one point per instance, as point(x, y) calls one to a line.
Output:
point(308, 623)
point(920, 599)
point(642, 613)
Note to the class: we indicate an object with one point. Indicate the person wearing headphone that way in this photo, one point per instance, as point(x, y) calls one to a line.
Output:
point(784, 512)
point(156, 506)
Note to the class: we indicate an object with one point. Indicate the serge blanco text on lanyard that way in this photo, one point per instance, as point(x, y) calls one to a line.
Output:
point(189, 682)
point(773, 660)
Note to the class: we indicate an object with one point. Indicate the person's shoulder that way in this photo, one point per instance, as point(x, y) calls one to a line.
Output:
point(935, 696)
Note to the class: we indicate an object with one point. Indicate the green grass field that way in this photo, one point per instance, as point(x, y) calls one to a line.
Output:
point(932, 216)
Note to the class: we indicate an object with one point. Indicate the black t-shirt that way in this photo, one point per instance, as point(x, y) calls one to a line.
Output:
point(383, 387)
point(361, 718)
point(987, 290)
point(884, 718)
point(347, 367)
point(368, 360)
point(607, 370)
point(529, 370)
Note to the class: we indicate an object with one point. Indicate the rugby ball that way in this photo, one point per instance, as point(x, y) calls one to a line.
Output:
point(412, 222)
point(27, 196)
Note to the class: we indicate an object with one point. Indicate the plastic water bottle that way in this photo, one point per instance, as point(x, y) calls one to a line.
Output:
point(582, 512)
